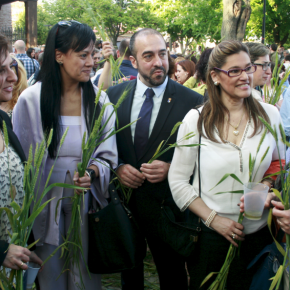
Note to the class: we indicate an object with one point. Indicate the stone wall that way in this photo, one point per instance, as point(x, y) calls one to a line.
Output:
point(5, 16)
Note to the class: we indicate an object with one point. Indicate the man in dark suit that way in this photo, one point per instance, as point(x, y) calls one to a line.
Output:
point(160, 103)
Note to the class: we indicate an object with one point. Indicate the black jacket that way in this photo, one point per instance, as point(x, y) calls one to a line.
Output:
point(13, 140)
point(176, 103)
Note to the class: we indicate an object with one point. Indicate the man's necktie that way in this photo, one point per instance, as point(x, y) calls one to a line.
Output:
point(142, 126)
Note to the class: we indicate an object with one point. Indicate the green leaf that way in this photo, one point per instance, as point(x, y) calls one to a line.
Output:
point(15, 206)
point(278, 194)
point(35, 213)
point(269, 222)
point(208, 277)
point(32, 244)
point(234, 191)
point(14, 237)
point(175, 128)
point(268, 126)
point(225, 177)
point(277, 277)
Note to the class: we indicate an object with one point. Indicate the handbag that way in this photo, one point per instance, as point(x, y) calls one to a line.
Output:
point(181, 236)
point(115, 241)
point(270, 260)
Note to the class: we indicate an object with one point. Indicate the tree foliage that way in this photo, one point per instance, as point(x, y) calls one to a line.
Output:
point(190, 19)
point(277, 20)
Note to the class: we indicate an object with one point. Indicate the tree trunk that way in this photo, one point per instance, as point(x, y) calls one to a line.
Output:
point(170, 43)
point(181, 44)
point(236, 14)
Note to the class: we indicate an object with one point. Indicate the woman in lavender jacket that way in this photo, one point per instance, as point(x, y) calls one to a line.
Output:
point(64, 97)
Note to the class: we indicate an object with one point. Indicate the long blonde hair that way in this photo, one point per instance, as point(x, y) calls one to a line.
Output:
point(19, 86)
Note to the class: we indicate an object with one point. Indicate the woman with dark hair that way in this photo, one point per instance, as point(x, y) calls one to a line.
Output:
point(31, 52)
point(13, 257)
point(65, 97)
point(184, 70)
point(230, 129)
point(200, 74)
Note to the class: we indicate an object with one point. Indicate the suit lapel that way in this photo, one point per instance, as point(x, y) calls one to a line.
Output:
point(125, 119)
point(165, 108)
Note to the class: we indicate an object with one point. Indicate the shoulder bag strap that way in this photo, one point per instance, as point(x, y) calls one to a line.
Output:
point(199, 180)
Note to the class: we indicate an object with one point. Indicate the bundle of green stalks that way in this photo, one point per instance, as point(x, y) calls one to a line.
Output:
point(283, 196)
point(221, 279)
point(73, 240)
point(21, 218)
point(127, 192)
point(277, 85)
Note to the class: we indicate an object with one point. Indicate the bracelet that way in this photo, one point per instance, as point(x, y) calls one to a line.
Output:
point(210, 218)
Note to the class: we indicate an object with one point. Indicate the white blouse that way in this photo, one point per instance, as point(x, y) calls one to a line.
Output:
point(216, 160)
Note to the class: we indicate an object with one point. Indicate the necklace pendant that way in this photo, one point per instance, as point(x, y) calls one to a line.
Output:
point(236, 132)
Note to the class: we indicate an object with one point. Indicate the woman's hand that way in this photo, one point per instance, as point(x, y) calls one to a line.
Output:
point(35, 259)
point(16, 258)
point(283, 216)
point(270, 196)
point(228, 228)
point(84, 181)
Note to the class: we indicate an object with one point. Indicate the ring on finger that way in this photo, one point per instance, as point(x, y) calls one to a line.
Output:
point(233, 236)
point(21, 264)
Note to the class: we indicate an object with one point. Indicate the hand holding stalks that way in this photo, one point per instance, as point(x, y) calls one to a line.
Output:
point(130, 176)
point(156, 171)
point(16, 258)
point(227, 228)
point(107, 50)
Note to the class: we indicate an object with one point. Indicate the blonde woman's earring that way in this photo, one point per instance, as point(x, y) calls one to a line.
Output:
point(216, 83)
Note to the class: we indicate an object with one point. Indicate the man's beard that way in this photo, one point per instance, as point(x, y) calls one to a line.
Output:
point(157, 81)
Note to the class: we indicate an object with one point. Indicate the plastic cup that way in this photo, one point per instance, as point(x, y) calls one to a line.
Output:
point(255, 197)
point(32, 272)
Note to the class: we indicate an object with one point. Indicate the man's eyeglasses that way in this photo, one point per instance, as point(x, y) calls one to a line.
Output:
point(265, 65)
point(14, 65)
point(65, 23)
point(235, 72)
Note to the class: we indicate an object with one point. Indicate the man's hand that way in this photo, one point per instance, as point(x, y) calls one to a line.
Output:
point(130, 176)
point(107, 49)
point(156, 171)
point(17, 257)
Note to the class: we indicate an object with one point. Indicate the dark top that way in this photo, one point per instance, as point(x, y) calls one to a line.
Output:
point(177, 101)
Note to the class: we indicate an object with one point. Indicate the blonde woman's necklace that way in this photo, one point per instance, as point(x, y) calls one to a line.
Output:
point(236, 132)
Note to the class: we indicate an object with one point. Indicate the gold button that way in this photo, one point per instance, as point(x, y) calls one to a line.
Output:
point(97, 219)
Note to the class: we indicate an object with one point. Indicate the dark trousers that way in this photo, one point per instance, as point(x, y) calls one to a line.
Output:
point(210, 253)
point(145, 205)
point(170, 267)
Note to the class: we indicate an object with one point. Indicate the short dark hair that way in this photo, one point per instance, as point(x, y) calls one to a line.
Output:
point(124, 48)
point(256, 50)
point(287, 57)
point(96, 51)
point(3, 47)
point(274, 46)
point(145, 31)
point(29, 51)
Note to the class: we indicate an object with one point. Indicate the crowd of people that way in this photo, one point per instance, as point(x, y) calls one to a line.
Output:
point(218, 95)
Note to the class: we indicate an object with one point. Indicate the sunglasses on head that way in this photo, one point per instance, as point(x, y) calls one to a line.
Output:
point(65, 23)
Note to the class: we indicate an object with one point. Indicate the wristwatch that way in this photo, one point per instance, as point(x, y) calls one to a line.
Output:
point(91, 174)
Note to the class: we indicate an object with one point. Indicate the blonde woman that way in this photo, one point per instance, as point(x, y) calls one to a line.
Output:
point(18, 87)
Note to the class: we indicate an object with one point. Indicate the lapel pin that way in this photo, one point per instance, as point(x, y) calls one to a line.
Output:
point(169, 100)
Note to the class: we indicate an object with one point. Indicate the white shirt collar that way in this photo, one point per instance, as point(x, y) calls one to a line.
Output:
point(141, 88)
